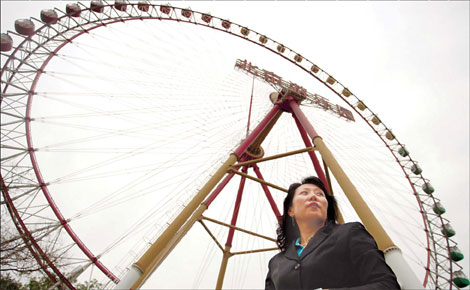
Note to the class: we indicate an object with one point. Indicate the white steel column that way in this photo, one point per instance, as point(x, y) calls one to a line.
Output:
point(129, 279)
point(405, 275)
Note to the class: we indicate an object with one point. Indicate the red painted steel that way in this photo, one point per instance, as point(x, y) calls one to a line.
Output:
point(244, 145)
point(236, 209)
point(302, 119)
point(267, 192)
point(26, 235)
point(56, 210)
point(341, 97)
point(283, 56)
point(218, 189)
point(311, 131)
point(222, 185)
point(41, 181)
point(240, 150)
point(251, 103)
point(426, 230)
point(391, 150)
point(312, 154)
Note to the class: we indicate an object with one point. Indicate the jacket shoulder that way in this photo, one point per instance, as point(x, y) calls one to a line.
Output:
point(280, 254)
point(353, 225)
point(347, 226)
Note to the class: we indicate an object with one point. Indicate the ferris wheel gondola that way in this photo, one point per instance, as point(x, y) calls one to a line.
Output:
point(51, 61)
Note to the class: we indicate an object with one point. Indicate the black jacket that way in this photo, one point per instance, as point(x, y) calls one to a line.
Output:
point(337, 257)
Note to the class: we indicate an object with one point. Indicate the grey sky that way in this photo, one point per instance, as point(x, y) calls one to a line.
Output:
point(409, 61)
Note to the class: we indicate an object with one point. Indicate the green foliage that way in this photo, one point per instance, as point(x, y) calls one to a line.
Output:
point(9, 283)
point(93, 284)
point(42, 283)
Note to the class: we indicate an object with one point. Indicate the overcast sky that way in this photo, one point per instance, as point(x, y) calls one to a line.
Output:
point(409, 61)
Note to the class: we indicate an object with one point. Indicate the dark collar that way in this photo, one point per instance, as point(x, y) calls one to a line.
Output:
point(315, 241)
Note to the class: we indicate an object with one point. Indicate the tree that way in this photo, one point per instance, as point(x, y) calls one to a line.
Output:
point(19, 269)
point(9, 283)
point(38, 284)
point(93, 284)
point(17, 263)
point(14, 253)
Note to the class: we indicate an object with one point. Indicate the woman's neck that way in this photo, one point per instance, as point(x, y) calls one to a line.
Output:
point(308, 230)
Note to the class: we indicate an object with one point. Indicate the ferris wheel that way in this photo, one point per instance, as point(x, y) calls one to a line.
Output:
point(142, 139)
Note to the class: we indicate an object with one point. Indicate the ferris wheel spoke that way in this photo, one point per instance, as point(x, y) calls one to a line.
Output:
point(175, 117)
point(99, 112)
point(26, 215)
point(20, 176)
point(114, 159)
point(10, 131)
point(109, 203)
point(26, 203)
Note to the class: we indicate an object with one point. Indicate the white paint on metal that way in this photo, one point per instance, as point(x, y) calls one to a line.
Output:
point(405, 275)
point(130, 278)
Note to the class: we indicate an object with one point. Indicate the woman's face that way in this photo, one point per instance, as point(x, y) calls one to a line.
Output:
point(309, 204)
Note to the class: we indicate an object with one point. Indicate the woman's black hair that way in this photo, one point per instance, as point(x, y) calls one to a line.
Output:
point(288, 230)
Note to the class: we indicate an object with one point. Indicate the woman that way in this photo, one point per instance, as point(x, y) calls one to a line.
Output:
point(317, 253)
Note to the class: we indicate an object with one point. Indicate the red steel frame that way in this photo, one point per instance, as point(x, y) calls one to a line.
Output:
point(83, 247)
point(313, 156)
point(285, 105)
point(236, 210)
point(240, 150)
point(318, 169)
point(42, 183)
point(147, 262)
point(267, 192)
point(29, 240)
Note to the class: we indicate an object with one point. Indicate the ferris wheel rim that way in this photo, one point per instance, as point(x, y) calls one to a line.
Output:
point(27, 121)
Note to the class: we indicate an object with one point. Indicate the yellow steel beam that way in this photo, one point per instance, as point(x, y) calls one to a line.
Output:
point(274, 156)
point(238, 229)
point(260, 180)
point(363, 211)
point(327, 173)
point(360, 206)
point(147, 263)
point(158, 259)
point(254, 251)
point(259, 140)
point(210, 234)
point(223, 268)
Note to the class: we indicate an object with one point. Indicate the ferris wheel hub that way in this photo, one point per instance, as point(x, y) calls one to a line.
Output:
point(255, 152)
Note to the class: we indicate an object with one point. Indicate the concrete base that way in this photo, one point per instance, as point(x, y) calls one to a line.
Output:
point(405, 275)
point(130, 278)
